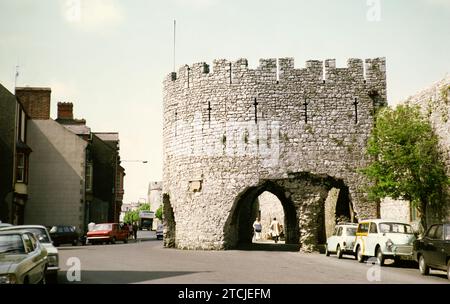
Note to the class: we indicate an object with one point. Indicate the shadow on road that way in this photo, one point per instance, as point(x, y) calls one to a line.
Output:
point(268, 247)
point(120, 277)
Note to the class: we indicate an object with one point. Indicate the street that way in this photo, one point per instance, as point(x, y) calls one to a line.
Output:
point(146, 261)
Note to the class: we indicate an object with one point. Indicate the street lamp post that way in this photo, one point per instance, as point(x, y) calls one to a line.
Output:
point(134, 161)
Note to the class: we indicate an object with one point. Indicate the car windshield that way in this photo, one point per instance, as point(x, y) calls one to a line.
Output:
point(11, 243)
point(40, 234)
point(395, 228)
point(102, 227)
point(351, 231)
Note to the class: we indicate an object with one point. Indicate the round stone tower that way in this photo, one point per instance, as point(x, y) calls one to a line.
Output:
point(232, 132)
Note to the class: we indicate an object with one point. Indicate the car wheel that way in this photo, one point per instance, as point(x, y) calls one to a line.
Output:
point(339, 252)
point(327, 253)
point(125, 240)
point(74, 242)
point(359, 255)
point(44, 280)
point(448, 269)
point(113, 240)
point(44, 275)
point(423, 267)
point(380, 257)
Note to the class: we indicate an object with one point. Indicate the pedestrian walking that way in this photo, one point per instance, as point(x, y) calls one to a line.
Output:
point(130, 228)
point(257, 228)
point(91, 226)
point(135, 229)
point(275, 229)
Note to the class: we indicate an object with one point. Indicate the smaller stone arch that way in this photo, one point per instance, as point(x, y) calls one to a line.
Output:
point(169, 223)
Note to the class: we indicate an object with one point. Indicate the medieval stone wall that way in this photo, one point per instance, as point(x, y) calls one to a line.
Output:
point(232, 127)
point(434, 103)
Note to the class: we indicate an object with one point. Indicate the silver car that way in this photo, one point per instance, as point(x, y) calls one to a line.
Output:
point(43, 236)
point(23, 260)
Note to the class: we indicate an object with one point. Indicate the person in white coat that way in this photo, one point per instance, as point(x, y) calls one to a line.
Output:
point(275, 229)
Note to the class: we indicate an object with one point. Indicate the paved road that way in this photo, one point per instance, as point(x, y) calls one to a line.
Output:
point(146, 261)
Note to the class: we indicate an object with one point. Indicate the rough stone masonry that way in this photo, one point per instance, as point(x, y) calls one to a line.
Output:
point(232, 132)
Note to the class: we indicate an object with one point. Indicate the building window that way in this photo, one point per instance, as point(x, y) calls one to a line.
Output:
point(89, 177)
point(21, 168)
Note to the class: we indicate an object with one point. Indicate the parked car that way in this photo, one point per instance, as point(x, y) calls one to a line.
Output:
point(64, 234)
point(342, 241)
point(384, 240)
point(23, 260)
point(160, 232)
point(41, 233)
point(107, 233)
point(433, 250)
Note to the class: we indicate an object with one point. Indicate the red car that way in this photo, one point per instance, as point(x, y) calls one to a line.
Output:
point(107, 233)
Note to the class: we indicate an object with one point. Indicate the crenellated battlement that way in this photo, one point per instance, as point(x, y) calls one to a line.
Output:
point(281, 70)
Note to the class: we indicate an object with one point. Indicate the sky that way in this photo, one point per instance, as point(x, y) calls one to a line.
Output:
point(109, 57)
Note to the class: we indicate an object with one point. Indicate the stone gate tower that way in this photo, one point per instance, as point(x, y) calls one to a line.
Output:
point(232, 132)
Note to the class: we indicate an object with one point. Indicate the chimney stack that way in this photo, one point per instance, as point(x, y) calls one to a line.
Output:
point(65, 111)
point(36, 101)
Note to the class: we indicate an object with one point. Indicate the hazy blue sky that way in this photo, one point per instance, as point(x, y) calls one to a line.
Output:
point(111, 59)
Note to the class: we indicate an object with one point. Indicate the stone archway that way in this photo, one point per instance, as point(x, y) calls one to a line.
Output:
point(169, 223)
point(240, 230)
point(303, 197)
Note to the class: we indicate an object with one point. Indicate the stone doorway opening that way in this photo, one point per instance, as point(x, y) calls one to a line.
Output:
point(240, 230)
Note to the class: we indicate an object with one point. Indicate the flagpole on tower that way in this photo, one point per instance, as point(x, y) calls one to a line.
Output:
point(15, 78)
point(174, 40)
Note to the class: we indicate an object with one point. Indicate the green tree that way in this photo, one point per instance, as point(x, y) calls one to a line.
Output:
point(144, 207)
point(159, 213)
point(131, 216)
point(407, 163)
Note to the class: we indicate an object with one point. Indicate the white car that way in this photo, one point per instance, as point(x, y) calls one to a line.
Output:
point(384, 240)
point(44, 239)
point(342, 241)
point(160, 232)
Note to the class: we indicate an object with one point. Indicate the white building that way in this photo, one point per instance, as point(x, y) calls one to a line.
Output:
point(155, 198)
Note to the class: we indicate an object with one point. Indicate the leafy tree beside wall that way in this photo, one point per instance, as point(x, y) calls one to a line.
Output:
point(407, 163)
point(159, 213)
